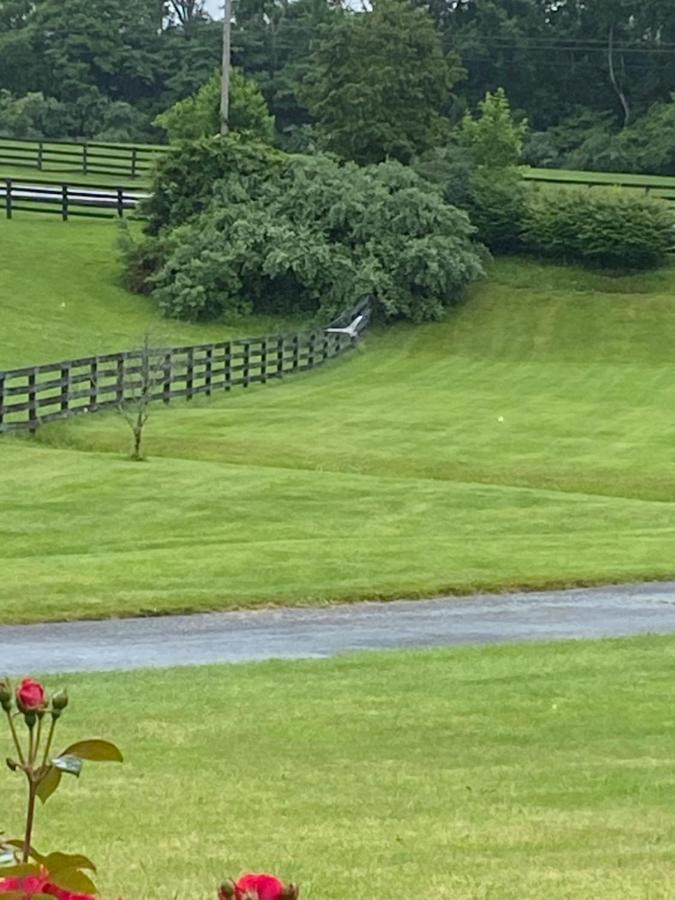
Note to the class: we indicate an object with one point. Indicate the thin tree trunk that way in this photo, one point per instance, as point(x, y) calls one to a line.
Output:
point(612, 77)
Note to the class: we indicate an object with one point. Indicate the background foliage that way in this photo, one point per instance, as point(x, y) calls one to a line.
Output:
point(593, 80)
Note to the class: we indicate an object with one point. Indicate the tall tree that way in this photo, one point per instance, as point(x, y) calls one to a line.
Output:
point(186, 11)
point(379, 83)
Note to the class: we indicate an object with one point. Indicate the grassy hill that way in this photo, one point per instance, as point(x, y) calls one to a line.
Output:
point(526, 440)
point(60, 296)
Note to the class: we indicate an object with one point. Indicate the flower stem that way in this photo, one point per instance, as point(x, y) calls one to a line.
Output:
point(32, 794)
point(48, 745)
point(12, 728)
point(38, 737)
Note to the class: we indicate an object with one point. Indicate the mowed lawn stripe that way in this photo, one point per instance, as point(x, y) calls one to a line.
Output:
point(94, 535)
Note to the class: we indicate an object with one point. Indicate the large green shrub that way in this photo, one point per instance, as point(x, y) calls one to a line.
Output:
point(496, 206)
point(312, 237)
point(185, 178)
point(611, 227)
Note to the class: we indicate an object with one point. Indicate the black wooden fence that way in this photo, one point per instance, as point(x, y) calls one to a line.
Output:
point(65, 200)
point(88, 158)
point(34, 395)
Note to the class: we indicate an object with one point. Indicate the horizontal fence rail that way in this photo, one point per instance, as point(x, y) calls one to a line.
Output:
point(66, 200)
point(88, 158)
point(34, 395)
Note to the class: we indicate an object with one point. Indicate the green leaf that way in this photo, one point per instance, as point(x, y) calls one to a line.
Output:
point(95, 751)
point(21, 895)
point(49, 784)
point(74, 880)
point(19, 870)
point(57, 861)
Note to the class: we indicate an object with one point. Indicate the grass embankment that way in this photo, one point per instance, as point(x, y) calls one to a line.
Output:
point(527, 440)
point(515, 772)
point(60, 297)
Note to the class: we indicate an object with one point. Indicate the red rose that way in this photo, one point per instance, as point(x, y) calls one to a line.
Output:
point(262, 887)
point(30, 695)
point(39, 884)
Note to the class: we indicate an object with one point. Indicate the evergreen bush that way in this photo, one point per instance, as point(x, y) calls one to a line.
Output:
point(610, 227)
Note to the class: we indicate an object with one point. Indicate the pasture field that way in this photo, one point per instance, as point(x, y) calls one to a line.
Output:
point(658, 185)
point(527, 440)
point(60, 296)
point(519, 772)
point(623, 178)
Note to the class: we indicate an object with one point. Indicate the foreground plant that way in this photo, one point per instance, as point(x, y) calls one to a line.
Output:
point(27, 873)
point(258, 887)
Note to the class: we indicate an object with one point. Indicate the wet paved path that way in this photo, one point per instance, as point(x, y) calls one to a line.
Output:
point(303, 633)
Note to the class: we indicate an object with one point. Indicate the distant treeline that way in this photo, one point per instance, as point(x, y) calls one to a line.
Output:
point(593, 79)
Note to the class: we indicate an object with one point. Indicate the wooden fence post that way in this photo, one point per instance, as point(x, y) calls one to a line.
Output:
point(2, 401)
point(119, 381)
point(280, 356)
point(311, 350)
point(32, 402)
point(247, 364)
point(296, 352)
point(85, 159)
point(64, 202)
point(134, 161)
point(166, 387)
point(189, 373)
point(93, 386)
point(208, 370)
point(40, 155)
point(227, 365)
point(263, 361)
point(120, 202)
point(64, 403)
point(8, 197)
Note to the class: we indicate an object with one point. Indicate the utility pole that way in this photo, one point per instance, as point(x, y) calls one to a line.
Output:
point(225, 90)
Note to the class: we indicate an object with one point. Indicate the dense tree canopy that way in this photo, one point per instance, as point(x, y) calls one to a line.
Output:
point(378, 84)
point(592, 77)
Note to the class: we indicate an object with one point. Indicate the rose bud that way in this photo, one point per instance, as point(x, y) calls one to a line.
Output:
point(227, 890)
point(30, 696)
point(59, 703)
point(5, 695)
point(12, 765)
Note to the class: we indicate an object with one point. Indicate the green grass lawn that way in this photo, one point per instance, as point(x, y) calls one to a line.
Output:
point(60, 296)
point(515, 772)
point(527, 440)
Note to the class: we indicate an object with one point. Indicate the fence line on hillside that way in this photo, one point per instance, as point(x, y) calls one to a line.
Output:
point(67, 199)
point(87, 157)
point(33, 395)
point(591, 181)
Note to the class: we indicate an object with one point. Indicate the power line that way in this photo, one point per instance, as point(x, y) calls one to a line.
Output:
point(544, 44)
